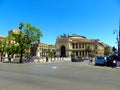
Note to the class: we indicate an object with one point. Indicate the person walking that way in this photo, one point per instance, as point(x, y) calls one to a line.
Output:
point(46, 59)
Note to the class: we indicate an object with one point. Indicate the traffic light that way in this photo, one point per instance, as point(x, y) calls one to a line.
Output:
point(114, 49)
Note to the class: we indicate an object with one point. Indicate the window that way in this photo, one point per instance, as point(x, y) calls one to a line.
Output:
point(79, 45)
point(76, 53)
point(73, 45)
point(76, 45)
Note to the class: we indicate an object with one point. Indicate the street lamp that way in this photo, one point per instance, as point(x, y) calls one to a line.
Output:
point(117, 38)
point(116, 32)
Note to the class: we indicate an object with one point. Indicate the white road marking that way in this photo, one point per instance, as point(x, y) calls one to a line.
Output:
point(54, 67)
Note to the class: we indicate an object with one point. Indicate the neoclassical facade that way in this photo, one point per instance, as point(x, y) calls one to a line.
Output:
point(75, 44)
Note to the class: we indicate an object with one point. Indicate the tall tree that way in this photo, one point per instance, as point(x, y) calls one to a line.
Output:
point(28, 35)
point(2, 44)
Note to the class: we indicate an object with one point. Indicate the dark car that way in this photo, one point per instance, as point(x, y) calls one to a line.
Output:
point(73, 59)
point(29, 59)
point(111, 60)
point(76, 59)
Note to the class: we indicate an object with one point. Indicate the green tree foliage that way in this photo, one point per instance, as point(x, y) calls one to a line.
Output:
point(9, 47)
point(107, 51)
point(11, 50)
point(51, 55)
point(2, 44)
point(72, 54)
point(28, 35)
point(88, 49)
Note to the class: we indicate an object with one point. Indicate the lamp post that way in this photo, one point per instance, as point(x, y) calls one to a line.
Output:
point(118, 39)
point(118, 42)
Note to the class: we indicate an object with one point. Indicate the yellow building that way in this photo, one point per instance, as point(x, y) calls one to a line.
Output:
point(75, 44)
point(41, 49)
point(13, 31)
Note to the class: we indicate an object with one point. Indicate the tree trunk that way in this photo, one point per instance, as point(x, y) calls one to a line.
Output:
point(9, 58)
point(1, 57)
point(21, 55)
point(21, 58)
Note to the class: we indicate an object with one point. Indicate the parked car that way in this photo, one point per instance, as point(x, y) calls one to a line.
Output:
point(111, 60)
point(100, 60)
point(76, 59)
point(73, 59)
point(28, 59)
point(86, 58)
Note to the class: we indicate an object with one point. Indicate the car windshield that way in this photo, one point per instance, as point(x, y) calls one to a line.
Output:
point(100, 57)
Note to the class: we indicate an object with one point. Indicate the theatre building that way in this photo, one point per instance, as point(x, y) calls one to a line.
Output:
point(66, 45)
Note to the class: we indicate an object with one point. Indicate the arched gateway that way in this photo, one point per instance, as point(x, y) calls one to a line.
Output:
point(63, 51)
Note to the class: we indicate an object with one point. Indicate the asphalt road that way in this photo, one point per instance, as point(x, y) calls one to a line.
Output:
point(58, 76)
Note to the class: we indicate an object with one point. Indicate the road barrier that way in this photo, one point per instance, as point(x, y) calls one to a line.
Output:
point(56, 59)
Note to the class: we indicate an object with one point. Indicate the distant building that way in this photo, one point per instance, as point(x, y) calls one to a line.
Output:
point(7, 42)
point(75, 44)
point(41, 49)
point(2, 37)
point(13, 31)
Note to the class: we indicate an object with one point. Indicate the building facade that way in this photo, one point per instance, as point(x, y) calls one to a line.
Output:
point(41, 49)
point(67, 45)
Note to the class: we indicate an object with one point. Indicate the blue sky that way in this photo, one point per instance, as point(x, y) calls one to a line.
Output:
point(95, 19)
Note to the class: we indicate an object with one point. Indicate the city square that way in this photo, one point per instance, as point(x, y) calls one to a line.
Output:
point(59, 44)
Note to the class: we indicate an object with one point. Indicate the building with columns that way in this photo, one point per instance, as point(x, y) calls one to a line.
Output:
point(66, 45)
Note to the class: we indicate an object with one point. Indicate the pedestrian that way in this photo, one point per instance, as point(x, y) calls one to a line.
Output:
point(91, 60)
point(46, 59)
